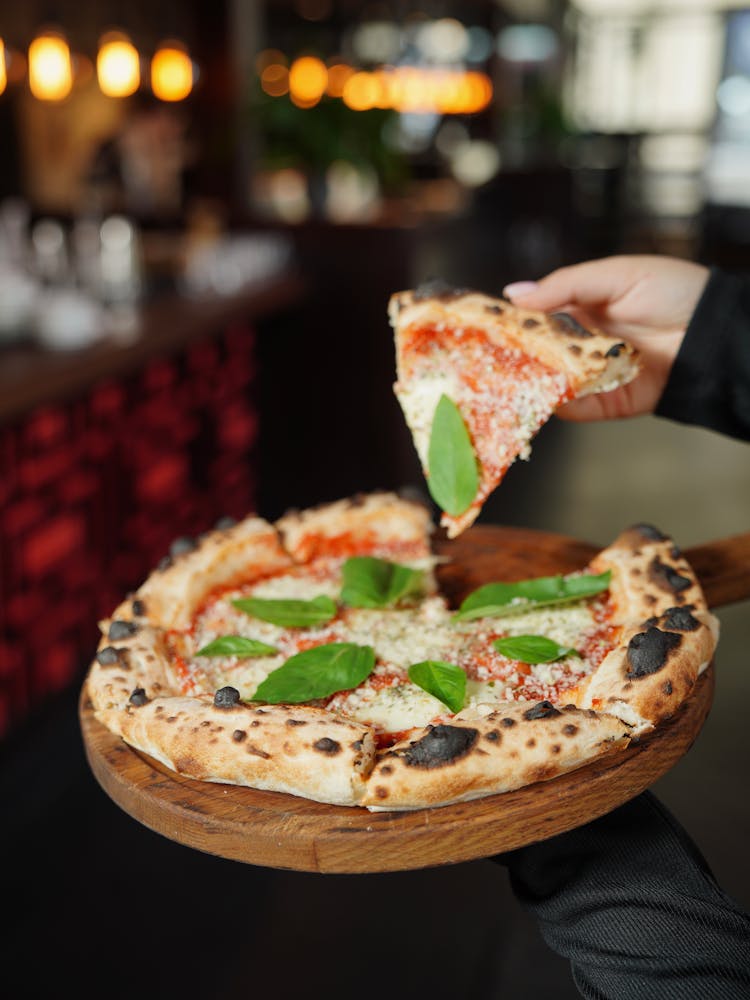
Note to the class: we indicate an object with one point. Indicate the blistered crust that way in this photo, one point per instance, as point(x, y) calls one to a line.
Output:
point(487, 751)
point(593, 360)
point(376, 522)
point(649, 574)
point(653, 668)
point(241, 553)
point(300, 750)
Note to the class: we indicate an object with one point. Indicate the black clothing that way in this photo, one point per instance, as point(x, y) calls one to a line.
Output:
point(628, 899)
point(709, 384)
point(631, 903)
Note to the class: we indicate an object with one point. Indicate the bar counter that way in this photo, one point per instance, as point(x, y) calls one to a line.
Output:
point(32, 376)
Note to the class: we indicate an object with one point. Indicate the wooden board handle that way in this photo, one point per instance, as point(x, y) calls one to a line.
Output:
point(723, 568)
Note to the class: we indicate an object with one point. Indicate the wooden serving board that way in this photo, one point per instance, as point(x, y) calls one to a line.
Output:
point(284, 831)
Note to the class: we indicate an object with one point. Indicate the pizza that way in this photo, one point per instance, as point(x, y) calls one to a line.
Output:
point(316, 656)
point(477, 378)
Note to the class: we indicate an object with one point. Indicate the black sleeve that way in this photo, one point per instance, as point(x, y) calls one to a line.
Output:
point(631, 903)
point(709, 384)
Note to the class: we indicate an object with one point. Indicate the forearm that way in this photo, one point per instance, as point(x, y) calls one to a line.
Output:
point(709, 384)
point(630, 903)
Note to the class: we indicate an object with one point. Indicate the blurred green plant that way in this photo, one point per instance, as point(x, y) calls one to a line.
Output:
point(311, 139)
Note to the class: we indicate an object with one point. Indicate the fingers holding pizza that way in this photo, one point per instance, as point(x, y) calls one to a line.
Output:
point(646, 300)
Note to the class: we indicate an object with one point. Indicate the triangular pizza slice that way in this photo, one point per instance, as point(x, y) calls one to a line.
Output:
point(478, 377)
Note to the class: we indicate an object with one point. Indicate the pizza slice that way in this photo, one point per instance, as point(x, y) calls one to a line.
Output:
point(477, 378)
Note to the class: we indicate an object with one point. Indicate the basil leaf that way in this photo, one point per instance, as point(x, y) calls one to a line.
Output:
point(532, 648)
point(236, 645)
point(512, 598)
point(317, 673)
point(453, 475)
point(375, 583)
point(288, 613)
point(445, 681)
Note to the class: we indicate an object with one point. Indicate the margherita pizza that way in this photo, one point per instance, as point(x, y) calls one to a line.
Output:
point(477, 378)
point(316, 656)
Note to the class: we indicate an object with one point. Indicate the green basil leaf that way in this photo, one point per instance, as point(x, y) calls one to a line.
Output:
point(375, 583)
point(453, 474)
point(445, 681)
point(532, 648)
point(494, 599)
point(236, 645)
point(317, 673)
point(288, 613)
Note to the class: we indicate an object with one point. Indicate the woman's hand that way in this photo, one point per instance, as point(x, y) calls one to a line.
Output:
point(645, 300)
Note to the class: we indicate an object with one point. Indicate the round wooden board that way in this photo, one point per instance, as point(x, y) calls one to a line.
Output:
point(283, 831)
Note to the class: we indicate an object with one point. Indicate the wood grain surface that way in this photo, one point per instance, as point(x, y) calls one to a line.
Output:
point(284, 831)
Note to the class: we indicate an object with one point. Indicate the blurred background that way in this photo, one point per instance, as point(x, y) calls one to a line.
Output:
point(204, 208)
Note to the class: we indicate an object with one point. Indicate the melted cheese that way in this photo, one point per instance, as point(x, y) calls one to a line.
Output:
point(400, 637)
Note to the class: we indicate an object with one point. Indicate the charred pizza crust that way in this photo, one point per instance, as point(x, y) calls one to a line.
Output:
point(495, 749)
point(479, 374)
point(593, 361)
point(666, 636)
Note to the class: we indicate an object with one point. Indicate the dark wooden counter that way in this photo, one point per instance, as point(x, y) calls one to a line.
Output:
point(31, 375)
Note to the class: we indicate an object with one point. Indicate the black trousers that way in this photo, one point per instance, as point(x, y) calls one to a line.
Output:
point(629, 900)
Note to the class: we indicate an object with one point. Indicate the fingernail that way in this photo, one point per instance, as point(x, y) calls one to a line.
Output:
point(519, 288)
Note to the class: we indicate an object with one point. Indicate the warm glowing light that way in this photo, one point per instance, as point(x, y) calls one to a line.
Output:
point(308, 77)
point(338, 74)
point(118, 66)
point(3, 69)
point(269, 57)
point(50, 68)
point(362, 92)
point(275, 80)
point(171, 73)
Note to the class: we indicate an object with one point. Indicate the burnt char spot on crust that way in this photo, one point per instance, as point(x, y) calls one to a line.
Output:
point(121, 630)
point(494, 736)
point(615, 351)
point(565, 323)
point(544, 710)
point(382, 793)
point(530, 323)
point(649, 651)
point(575, 349)
point(225, 523)
point(327, 746)
point(386, 769)
point(182, 545)
point(667, 687)
point(666, 577)
point(108, 656)
point(138, 608)
point(296, 722)
point(239, 735)
point(531, 743)
point(138, 697)
point(680, 619)
point(570, 729)
point(257, 752)
point(507, 722)
point(441, 745)
point(494, 309)
point(649, 532)
point(226, 697)
point(438, 289)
